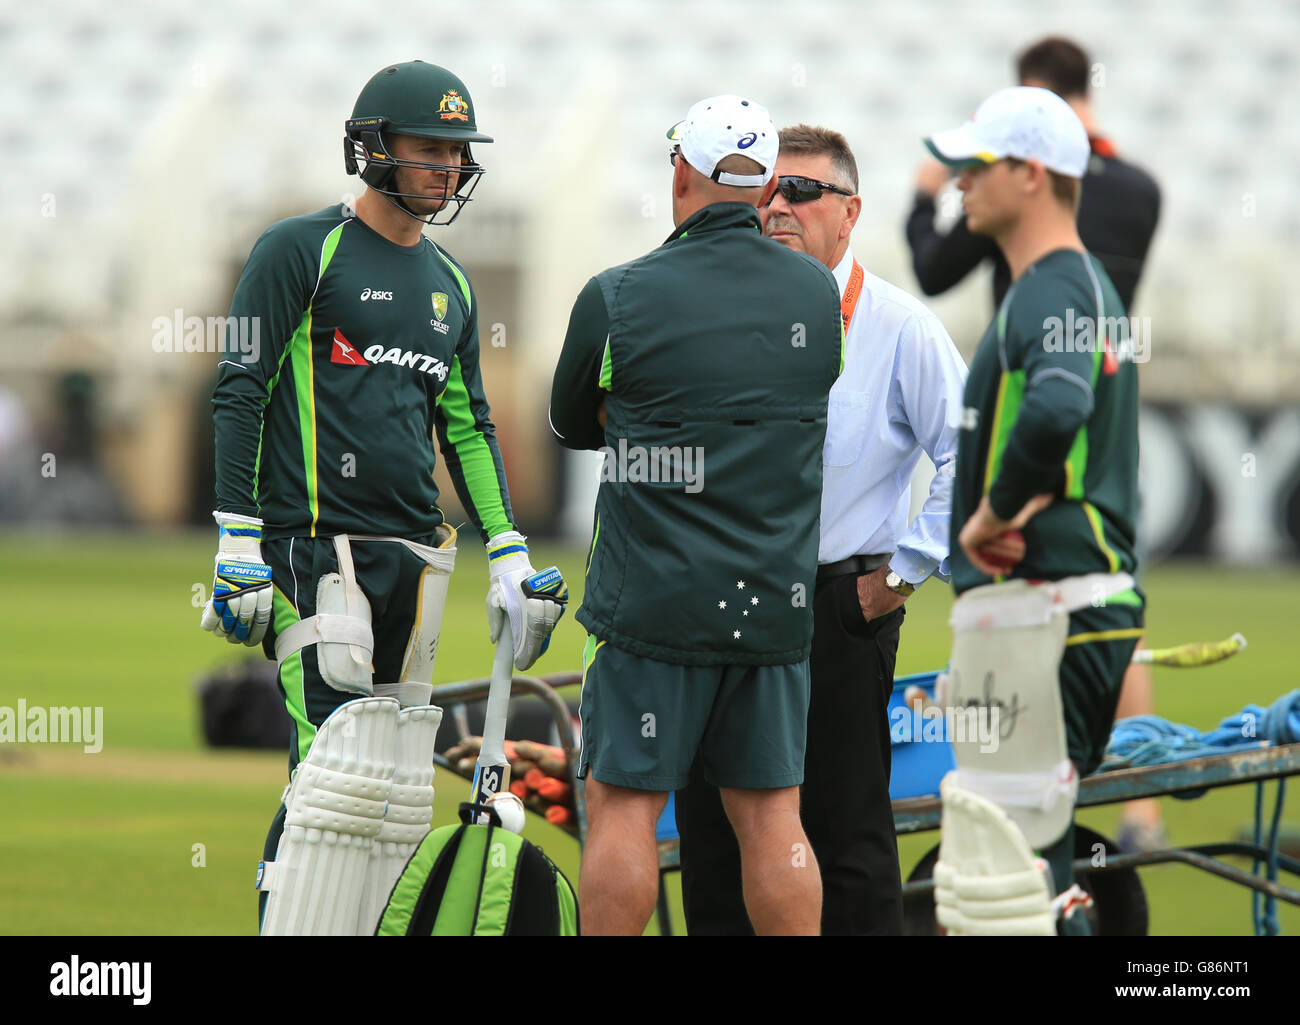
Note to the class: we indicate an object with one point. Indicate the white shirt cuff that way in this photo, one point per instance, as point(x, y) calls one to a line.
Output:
point(912, 566)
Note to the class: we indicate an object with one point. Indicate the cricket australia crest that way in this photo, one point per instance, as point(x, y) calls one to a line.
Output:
point(453, 106)
point(439, 311)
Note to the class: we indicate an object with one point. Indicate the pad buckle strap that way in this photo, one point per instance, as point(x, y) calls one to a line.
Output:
point(324, 627)
point(443, 559)
point(346, 629)
point(1076, 593)
point(1066, 904)
point(1040, 790)
point(409, 693)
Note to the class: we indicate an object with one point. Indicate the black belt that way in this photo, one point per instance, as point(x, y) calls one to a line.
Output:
point(854, 564)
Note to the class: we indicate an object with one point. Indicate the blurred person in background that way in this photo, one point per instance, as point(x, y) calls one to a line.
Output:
point(1117, 219)
point(1117, 214)
point(68, 483)
point(20, 463)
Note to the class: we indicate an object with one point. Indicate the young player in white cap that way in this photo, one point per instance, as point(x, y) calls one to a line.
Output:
point(698, 600)
point(1048, 443)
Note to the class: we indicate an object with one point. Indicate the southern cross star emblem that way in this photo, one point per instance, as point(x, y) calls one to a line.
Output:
point(744, 612)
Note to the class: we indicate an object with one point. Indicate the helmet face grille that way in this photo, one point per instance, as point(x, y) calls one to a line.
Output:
point(418, 99)
point(366, 154)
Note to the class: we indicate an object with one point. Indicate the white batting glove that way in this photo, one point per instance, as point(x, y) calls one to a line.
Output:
point(534, 601)
point(240, 606)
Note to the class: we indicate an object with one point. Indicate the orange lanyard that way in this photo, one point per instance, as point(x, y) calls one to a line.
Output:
point(851, 295)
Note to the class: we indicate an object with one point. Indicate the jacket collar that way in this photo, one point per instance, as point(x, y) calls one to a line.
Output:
point(717, 217)
point(1103, 147)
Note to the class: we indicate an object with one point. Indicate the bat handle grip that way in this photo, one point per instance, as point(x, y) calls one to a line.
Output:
point(492, 754)
point(498, 706)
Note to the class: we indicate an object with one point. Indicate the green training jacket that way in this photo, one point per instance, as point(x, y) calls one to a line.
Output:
point(364, 349)
point(714, 355)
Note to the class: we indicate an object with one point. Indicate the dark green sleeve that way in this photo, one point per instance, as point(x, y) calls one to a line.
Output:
point(274, 291)
point(1058, 397)
point(583, 374)
point(467, 437)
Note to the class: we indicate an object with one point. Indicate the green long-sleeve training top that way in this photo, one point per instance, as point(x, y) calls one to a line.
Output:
point(1051, 406)
point(355, 352)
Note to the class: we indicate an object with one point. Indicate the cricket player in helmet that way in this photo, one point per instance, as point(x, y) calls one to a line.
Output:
point(421, 101)
point(333, 552)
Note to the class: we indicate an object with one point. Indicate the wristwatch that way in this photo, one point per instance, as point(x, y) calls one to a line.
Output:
point(898, 585)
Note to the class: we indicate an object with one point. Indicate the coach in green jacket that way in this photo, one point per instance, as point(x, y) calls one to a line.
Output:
point(702, 372)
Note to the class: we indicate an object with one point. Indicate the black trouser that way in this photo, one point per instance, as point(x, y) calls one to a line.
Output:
point(845, 796)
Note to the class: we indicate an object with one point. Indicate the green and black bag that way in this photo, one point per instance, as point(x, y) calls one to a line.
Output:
point(479, 880)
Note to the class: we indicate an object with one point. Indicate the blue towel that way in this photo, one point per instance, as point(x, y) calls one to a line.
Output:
point(1151, 740)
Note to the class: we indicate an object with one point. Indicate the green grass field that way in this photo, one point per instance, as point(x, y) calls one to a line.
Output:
point(157, 835)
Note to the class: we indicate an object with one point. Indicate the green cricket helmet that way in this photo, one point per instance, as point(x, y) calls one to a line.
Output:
point(418, 99)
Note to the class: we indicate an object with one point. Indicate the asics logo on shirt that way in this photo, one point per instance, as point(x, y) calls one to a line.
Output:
point(375, 295)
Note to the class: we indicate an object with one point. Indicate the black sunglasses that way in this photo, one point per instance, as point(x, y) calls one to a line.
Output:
point(804, 190)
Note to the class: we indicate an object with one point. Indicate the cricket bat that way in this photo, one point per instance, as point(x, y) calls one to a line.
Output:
point(1187, 656)
point(492, 771)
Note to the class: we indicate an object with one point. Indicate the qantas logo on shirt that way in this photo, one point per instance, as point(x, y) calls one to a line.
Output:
point(1109, 364)
point(1118, 339)
point(343, 352)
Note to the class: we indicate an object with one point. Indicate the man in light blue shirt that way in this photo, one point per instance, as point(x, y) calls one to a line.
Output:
point(900, 395)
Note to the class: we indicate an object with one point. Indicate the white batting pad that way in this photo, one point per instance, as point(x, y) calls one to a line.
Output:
point(335, 806)
point(1008, 640)
point(987, 880)
point(409, 812)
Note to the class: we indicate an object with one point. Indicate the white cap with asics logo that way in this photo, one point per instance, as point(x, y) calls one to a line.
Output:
point(1021, 122)
point(723, 126)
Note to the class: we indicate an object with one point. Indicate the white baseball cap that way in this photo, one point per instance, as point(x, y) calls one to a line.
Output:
point(1021, 122)
point(721, 126)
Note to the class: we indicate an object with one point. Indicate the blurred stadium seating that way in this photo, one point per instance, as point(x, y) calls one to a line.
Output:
point(147, 145)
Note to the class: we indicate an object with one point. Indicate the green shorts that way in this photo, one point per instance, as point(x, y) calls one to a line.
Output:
point(390, 578)
point(644, 720)
point(1097, 654)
